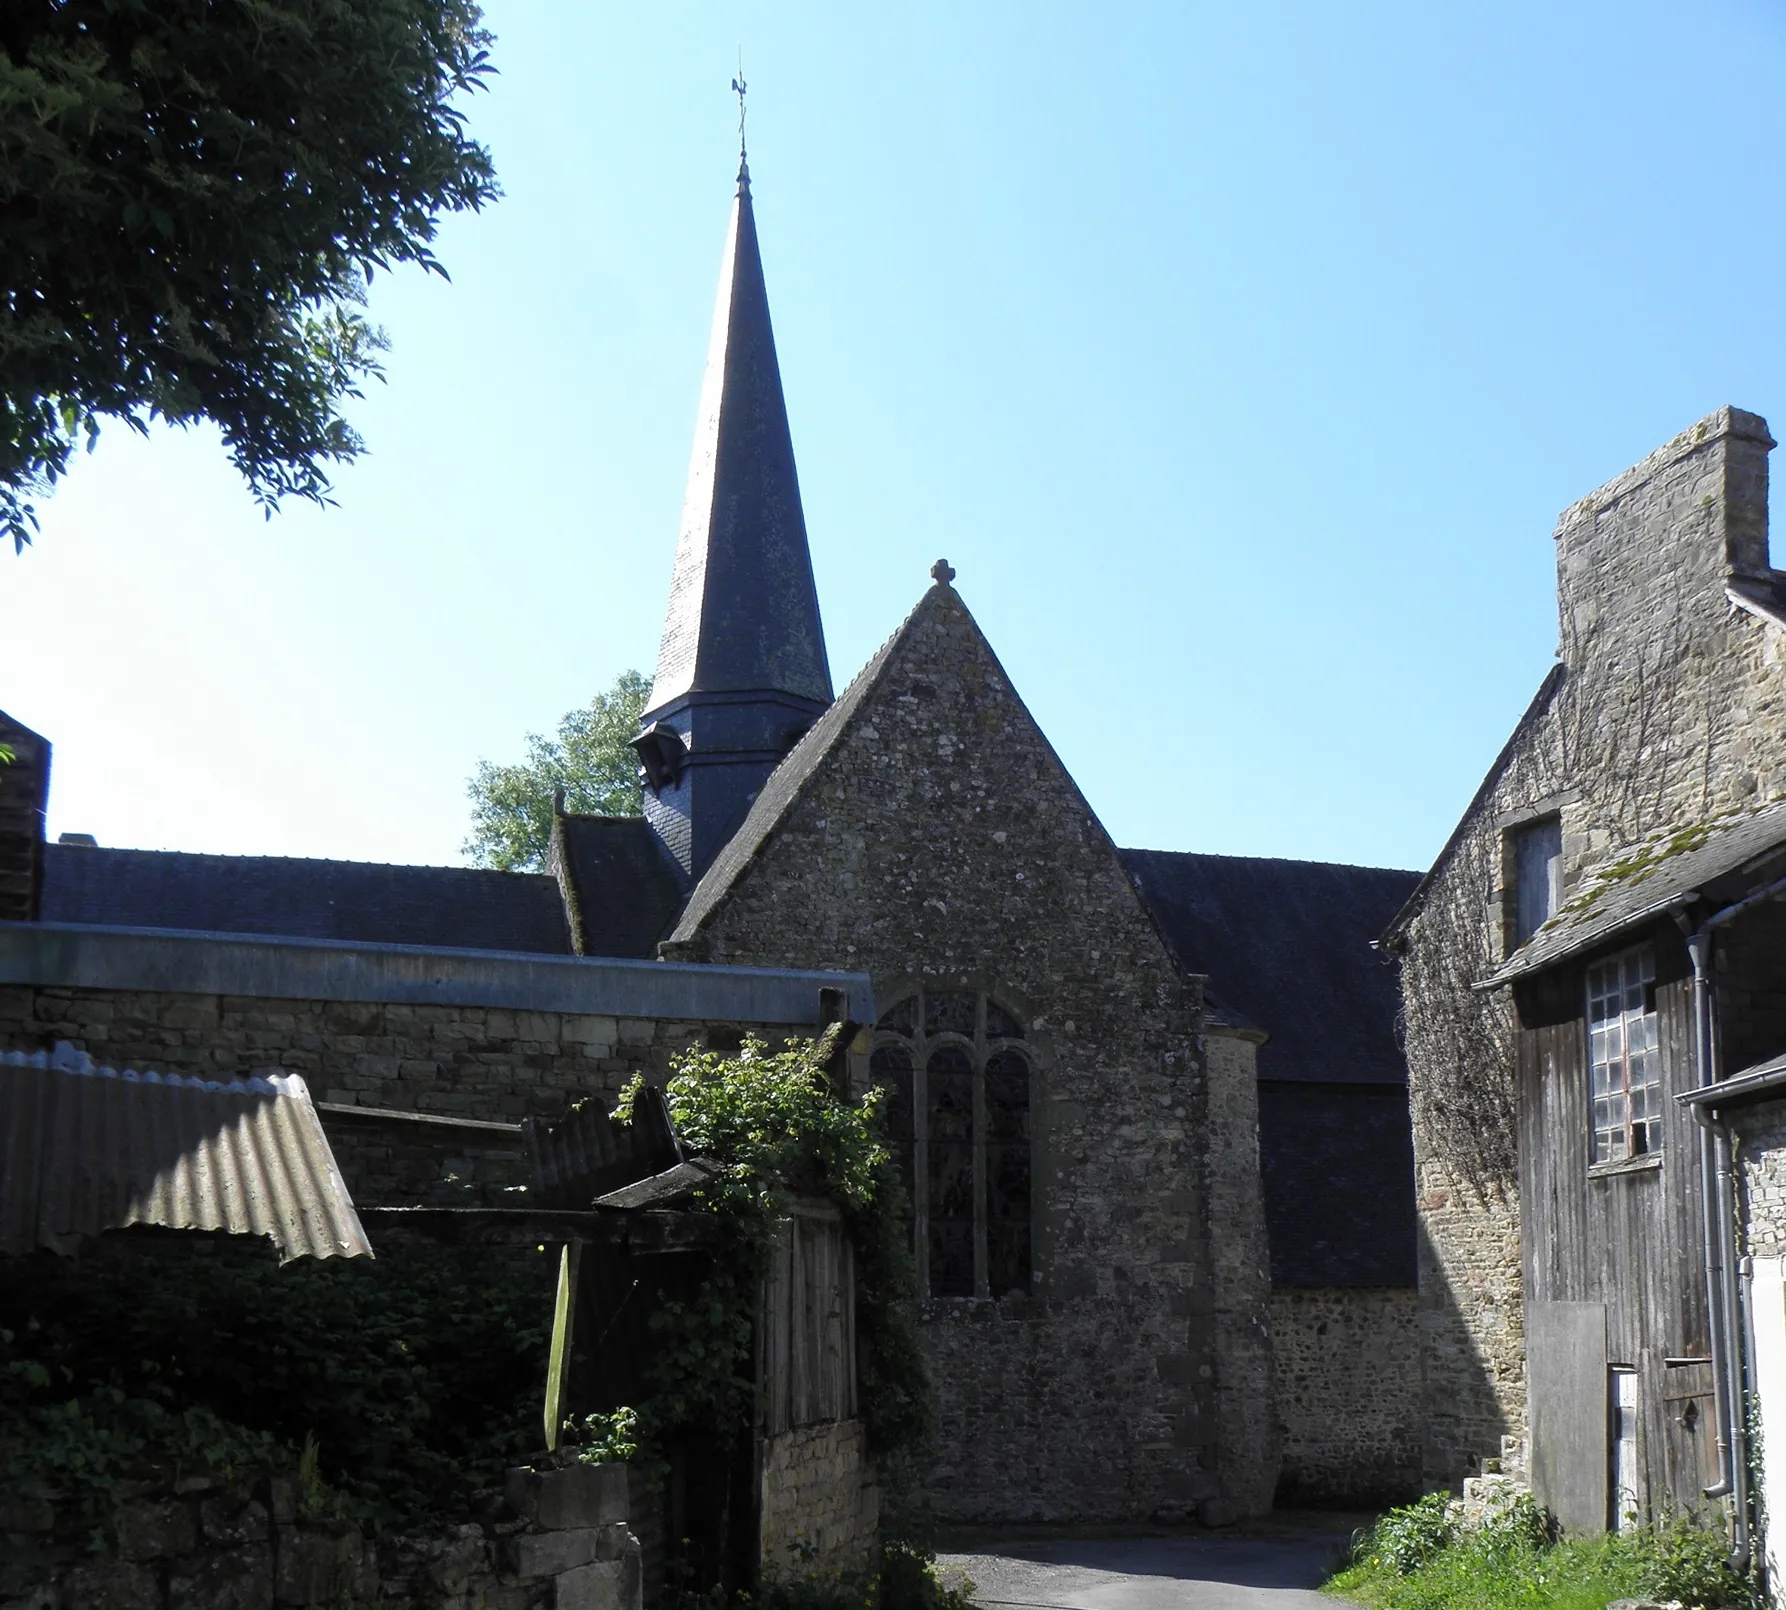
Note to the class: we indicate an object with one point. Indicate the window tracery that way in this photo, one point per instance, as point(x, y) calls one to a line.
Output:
point(960, 1075)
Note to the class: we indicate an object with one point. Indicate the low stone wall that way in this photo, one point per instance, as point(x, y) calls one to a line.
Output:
point(1348, 1377)
point(821, 1507)
point(557, 1540)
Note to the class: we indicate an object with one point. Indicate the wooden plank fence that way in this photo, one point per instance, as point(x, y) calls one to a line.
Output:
point(807, 1324)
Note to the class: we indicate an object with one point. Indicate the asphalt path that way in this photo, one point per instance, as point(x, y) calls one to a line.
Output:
point(1168, 1573)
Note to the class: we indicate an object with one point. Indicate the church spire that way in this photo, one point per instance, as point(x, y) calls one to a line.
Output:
point(741, 668)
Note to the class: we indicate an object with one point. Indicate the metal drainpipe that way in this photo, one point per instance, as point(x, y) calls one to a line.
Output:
point(1698, 949)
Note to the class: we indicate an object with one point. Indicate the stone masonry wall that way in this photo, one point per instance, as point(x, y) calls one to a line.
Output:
point(1761, 1178)
point(820, 1504)
point(1668, 708)
point(1348, 1384)
point(460, 1061)
point(934, 836)
point(558, 1541)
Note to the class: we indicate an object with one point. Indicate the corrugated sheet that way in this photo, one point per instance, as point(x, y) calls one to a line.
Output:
point(85, 1149)
point(586, 1153)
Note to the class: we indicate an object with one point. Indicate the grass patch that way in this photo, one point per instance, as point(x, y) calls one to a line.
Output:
point(1417, 1559)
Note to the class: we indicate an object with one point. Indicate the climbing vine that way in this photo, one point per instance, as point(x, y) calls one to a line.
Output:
point(776, 1122)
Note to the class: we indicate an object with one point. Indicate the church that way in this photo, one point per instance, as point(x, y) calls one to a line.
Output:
point(1150, 1105)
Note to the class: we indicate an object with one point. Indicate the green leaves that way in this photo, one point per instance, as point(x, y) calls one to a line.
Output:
point(193, 197)
point(418, 1376)
point(777, 1120)
point(511, 806)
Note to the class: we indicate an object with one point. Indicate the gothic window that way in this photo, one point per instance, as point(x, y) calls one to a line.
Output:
point(959, 1080)
point(1624, 1059)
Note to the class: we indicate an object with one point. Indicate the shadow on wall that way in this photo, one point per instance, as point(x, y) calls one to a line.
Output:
point(1472, 1332)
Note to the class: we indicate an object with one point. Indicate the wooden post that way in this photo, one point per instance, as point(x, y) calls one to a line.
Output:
point(564, 1314)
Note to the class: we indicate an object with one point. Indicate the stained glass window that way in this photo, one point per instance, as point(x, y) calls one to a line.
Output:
point(959, 1100)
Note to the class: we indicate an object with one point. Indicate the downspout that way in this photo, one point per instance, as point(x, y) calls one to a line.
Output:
point(1717, 1192)
point(1716, 1228)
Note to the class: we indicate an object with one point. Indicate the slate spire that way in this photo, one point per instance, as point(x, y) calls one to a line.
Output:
point(741, 668)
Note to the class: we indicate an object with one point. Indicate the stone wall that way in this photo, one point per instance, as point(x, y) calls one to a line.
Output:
point(1761, 1177)
point(924, 831)
point(1668, 707)
point(1348, 1390)
point(467, 1062)
point(820, 1503)
point(552, 1541)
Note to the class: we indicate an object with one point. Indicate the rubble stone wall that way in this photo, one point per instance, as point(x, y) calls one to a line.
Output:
point(1761, 1178)
point(446, 1061)
point(821, 1507)
point(1348, 1383)
point(194, 1543)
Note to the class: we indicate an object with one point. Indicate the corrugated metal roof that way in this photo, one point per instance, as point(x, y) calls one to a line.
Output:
point(85, 1149)
point(1665, 875)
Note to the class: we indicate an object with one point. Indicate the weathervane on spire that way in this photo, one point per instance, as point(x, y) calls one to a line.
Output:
point(738, 88)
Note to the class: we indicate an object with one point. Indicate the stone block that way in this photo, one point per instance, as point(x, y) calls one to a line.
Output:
point(234, 1520)
point(549, 1553)
point(239, 1578)
point(111, 1586)
point(315, 1567)
point(155, 1531)
point(600, 1586)
point(576, 1496)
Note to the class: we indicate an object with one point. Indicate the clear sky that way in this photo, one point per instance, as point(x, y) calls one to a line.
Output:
point(1239, 357)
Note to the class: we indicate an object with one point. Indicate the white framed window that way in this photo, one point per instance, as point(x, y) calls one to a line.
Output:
point(1624, 1061)
point(958, 1071)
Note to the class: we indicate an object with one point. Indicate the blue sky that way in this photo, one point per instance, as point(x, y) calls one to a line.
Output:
point(1240, 358)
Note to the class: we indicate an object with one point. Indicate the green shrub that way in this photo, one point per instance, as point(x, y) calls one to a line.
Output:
point(418, 1375)
point(782, 1130)
point(1516, 1562)
point(1405, 1539)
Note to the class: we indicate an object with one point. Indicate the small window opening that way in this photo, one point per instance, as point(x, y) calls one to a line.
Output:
point(1537, 876)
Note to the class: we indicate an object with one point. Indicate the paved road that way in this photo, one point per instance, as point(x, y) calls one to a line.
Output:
point(1177, 1573)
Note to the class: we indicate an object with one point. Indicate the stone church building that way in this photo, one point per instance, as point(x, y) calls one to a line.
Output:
point(1150, 1105)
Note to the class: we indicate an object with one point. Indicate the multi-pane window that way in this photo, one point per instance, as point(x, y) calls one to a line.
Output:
point(956, 1067)
point(1624, 1062)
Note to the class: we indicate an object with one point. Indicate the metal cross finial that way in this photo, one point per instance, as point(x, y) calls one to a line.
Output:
point(943, 572)
point(738, 88)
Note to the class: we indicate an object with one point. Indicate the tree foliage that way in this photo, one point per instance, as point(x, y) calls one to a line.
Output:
point(194, 195)
point(511, 806)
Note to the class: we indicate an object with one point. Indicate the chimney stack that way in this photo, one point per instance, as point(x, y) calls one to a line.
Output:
point(24, 792)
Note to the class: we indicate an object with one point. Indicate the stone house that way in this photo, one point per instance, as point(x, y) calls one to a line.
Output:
point(1592, 963)
point(1150, 1106)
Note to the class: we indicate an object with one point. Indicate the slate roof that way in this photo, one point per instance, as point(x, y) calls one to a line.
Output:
point(456, 907)
point(623, 885)
point(1706, 861)
point(1338, 1168)
point(1286, 946)
point(744, 612)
